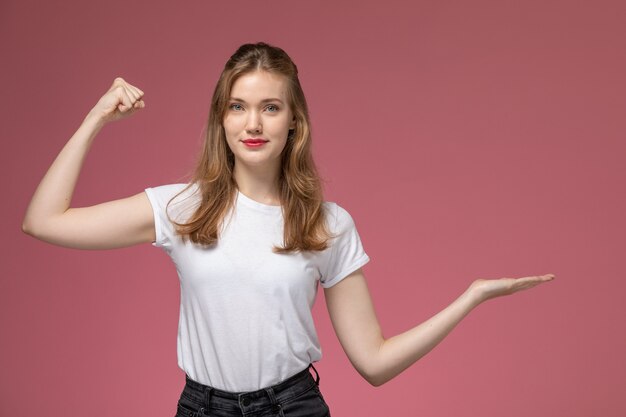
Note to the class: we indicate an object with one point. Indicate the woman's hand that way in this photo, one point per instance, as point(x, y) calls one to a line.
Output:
point(485, 289)
point(122, 100)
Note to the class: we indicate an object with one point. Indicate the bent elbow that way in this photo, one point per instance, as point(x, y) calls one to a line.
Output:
point(376, 382)
point(31, 228)
point(27, 228)
point(373, 378)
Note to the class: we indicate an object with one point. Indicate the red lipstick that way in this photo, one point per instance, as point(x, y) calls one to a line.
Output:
point(254, 143)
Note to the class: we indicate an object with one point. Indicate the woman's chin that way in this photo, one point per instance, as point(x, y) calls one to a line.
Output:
point(258, 161)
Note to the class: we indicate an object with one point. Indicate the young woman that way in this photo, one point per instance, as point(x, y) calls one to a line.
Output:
point(251, 237)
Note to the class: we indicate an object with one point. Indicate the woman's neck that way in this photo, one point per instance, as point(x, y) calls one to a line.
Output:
point(258, 184)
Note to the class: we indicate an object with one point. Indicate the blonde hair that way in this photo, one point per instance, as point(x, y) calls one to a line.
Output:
point(301, 195)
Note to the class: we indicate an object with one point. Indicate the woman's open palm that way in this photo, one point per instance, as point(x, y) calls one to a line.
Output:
point(491, 288)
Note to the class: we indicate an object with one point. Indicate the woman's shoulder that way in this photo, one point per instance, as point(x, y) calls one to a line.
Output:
point(164, 188)
point(177, 198)
point(338, 216)
point(171, 190)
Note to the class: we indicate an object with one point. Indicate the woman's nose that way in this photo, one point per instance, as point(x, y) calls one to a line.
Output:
point(254, 122)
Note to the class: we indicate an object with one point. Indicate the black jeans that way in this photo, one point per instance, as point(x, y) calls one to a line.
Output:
point(297, 396)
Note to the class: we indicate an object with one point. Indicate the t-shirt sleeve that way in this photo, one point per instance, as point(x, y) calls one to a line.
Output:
point(159, 198)
point(346, 251)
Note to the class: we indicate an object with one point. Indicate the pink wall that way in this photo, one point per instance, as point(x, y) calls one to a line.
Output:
point(467, 139)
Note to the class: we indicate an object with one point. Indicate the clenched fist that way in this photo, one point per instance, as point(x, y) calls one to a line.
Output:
point(122, 100)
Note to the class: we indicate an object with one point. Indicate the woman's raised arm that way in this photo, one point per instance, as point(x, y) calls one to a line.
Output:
point(112, 224)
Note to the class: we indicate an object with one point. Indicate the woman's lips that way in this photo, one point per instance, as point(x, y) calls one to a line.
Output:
point(254, 143)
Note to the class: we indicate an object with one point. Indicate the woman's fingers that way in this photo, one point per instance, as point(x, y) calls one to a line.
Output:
point(137, 93)
point(546, 277)
point(132, 93)
point(525, 283)
point(126, 102)
point(528, 282)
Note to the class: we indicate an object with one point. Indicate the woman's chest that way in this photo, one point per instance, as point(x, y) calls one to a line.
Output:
point(243, 262)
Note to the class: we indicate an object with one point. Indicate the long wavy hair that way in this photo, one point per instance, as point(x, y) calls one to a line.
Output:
point(301, 195)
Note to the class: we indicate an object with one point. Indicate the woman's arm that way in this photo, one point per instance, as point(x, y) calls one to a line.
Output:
point(108, 225)
point(378, 359)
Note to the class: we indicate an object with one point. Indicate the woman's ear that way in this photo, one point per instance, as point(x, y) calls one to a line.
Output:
point(292, 125)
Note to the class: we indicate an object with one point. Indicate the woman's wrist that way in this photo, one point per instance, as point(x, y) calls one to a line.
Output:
point(475, 293)
point(94, 120)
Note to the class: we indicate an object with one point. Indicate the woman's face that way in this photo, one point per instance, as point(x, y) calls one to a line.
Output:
point(258, 109)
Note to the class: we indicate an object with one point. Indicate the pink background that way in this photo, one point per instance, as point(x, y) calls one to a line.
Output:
point(467, 139)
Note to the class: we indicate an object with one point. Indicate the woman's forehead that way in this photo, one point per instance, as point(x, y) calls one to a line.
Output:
point(259, 86)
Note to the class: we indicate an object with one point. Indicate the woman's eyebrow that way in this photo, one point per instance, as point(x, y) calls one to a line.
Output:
point(262, 101)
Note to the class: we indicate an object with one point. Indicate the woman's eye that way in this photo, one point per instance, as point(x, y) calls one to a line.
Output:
point(272, 108)
point(235, 106)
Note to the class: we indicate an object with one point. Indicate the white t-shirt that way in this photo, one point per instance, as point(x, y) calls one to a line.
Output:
point(245, 312)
